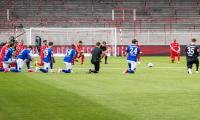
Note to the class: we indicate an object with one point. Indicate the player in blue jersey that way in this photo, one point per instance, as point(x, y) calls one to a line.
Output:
point(25, 54)
point(132, 55)
point(48, 58)
point(70, 55)
point(8, 58)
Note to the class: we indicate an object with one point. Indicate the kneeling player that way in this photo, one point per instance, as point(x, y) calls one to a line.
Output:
point(2, 53)
point(70, 54)
point(96, 58)
point(79, 52)
point(42, 48)
point(132, 54)
point(192, 54)
point(48, 57)
point(8, 58)
point(24, 54)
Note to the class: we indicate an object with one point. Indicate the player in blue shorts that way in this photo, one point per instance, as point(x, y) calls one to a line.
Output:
point(48, 58)
point(132, 54)
point(70, 54)
point(25, 54)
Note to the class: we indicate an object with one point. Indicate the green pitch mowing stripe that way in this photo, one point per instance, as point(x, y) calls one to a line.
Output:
point(164, 92)
point(28, 99)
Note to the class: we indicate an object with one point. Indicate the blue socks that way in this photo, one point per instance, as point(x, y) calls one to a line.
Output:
point(51, 65)
point(1, 69)
point(28, 64)
point(131, 71)
point(43, 70)
point(66, 71)
point(15, 70)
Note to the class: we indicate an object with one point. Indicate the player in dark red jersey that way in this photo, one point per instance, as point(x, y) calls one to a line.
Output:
point(42, 48)
point(20, 46)
point(175, 50)
point(2, 53)
point(79, 51)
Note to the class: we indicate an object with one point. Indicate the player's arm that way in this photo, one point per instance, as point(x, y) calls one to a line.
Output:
point(30, 56)
point(77, 49)
point(14, 54)
point(41, 50)
point(197, 50)
point(52, 58)
point(172, 48)
point(102, 55)
point(139, 51)
point(81, 50)
point(186, 49)
point(127, 51)
point(107, 49)
point(179, 48)
point(74, 54)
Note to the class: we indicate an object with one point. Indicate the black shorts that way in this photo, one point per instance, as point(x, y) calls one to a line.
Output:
point(191, 62)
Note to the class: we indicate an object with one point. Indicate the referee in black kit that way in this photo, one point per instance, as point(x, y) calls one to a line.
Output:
point(105, 51)
point(96, 58)
point(192, 53)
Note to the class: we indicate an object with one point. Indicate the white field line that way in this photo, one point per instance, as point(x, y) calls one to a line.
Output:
point(137, 67)
point(117, 68)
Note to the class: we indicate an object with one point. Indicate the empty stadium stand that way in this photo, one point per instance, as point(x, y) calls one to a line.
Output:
point(151, 14)
point(157, 21)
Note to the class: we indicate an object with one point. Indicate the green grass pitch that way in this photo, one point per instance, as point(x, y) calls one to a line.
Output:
point(164, 92)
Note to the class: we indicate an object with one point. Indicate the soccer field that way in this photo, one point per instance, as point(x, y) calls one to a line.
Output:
point(164, 92)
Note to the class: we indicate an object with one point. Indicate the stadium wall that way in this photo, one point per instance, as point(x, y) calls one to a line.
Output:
point(146, 50)
point(151, 50)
